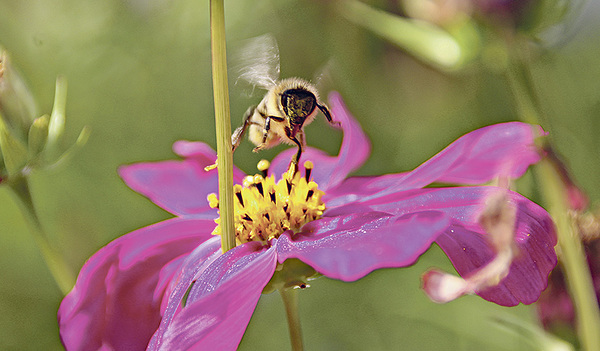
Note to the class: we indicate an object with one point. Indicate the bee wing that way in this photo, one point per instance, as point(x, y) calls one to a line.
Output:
point(259, 61)
point(323, 79)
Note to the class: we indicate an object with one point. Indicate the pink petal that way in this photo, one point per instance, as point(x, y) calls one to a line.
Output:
point(478, 157)
point(179, 187)
point(220, 303)
point(168, 276)
point(349, 247)
point(330, 171)
point(355, 189)
point(528, 277)
point(116, 300)
point(201, 152)
point(505, 149)
point(193, 264)
point(465, 243)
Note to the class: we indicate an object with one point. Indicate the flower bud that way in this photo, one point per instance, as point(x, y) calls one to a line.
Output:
point(27, 141)
point(14, 152)
point(439, 12)
point(524, 15)
point(577, 200)
point(424, 40)
point(17, 105)
point(38, 134)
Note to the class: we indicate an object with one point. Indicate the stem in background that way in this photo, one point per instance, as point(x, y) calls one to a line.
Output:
point(290, 301)
point(570, 248)
point(573, 259)
point(422, 39)
point(223, 122)
point(60, 270)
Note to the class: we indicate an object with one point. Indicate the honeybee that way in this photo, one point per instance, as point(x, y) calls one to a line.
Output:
point(288, 106)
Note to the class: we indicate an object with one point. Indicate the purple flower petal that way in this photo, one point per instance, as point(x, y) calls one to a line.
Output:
point(179, 187)
point(220, 304)
point(349, 247)
point(465, 242)
point(331, 171)
point(115, 303)
point(505, 149)
point(201, 152)
point(194, 264)
point(468, 250)
point(478, 157)
point(355, 189)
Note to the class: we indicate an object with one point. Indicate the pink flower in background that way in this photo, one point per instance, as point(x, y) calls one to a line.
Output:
point(130, 294)
point(555, 308)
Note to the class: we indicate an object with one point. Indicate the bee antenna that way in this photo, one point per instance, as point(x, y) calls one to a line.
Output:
point(326, 112)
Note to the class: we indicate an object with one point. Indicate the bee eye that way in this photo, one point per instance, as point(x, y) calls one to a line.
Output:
point(298, 104)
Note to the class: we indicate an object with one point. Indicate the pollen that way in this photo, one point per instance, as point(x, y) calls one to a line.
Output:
point(264, 209)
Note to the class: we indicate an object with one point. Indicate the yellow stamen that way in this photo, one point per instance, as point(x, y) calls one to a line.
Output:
point(211, 167)
point(213, 201)
point(308, 167)
point(265, 209)
point(263, 165)
point(248, 181)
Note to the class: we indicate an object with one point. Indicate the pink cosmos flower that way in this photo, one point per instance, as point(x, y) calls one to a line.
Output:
point(168, 286)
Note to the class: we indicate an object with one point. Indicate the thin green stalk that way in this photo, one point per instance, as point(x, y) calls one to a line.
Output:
point(290, 301)
point(60, 270)
point(223, 122)
point(425, 40)
point(573, 259)
point(570, 247)
point(525, 97)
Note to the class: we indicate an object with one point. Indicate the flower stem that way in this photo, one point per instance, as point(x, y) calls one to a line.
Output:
point(60, 270)
point(570, 248)
point(223, 122)
point(424, 40)
point(573, 259)
point(290, 301)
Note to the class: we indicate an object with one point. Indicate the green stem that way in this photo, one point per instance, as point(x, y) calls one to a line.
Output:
point(223, 123)
point(60, 270)
point(570, 248)
point(521, 85)
point(573, 259)
point(290, 301)
point(424, 40)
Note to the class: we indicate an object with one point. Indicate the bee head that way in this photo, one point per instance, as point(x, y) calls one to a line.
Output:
point(298, 104)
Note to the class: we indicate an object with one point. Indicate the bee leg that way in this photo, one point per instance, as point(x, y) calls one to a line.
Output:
point(238, 134)
point(301, 139)
point(296, 158)
point(327, 114)
point(298, 140)
point(266, 129)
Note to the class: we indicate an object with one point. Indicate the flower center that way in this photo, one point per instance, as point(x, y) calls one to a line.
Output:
point(263, 209)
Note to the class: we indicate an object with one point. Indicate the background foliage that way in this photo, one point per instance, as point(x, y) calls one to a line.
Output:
point(139, 76)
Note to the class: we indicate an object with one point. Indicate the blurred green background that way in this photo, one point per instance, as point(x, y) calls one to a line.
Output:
point(139, 76)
